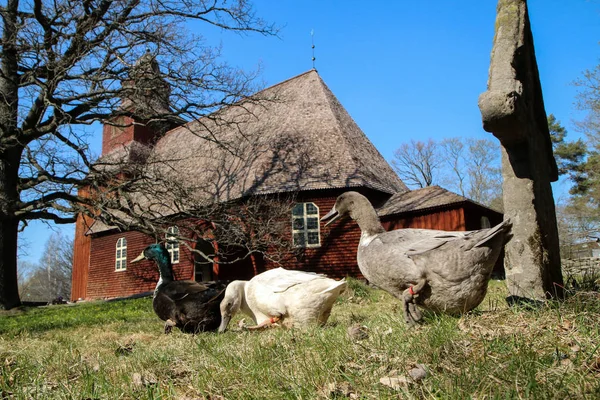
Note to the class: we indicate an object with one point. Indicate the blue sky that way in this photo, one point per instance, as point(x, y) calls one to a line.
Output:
point(406, 69)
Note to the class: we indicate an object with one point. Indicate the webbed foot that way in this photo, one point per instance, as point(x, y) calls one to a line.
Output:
point(265, 324)
point(412, 314)
point(169, 324)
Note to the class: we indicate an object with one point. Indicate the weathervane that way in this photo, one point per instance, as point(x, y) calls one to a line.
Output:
point(312, 38)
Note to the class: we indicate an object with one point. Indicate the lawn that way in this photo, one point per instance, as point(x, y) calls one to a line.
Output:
point(116, 350)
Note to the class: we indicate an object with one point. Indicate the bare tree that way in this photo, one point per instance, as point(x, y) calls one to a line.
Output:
point(50, 278)
point(416, 163)
point(453, 153)
point(470, 167)
point(67, 64)
point(485, 177)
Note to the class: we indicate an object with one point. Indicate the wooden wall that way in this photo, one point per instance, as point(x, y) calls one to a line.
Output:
point(442, 219)
point(81, 258)
point(336, 257)
point(105, 282)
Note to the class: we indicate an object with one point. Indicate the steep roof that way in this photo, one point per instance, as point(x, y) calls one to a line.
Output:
point(290, 137)
point(422, 199)
point(293, 136)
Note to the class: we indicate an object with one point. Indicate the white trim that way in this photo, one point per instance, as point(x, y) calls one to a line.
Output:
point(305, 231)
point(172, 244)
point(121, 254)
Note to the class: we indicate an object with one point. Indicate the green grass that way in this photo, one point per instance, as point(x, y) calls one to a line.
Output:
point(116, 350)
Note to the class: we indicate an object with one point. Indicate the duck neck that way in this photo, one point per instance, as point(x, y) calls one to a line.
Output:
point(367, 220)
point(163, 260)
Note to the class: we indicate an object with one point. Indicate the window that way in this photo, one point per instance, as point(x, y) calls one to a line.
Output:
point(121, 255)
point(485, 222)
point(305, 225)
point(173, 244)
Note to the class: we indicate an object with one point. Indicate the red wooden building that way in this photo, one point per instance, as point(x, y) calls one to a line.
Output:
point(302, 141)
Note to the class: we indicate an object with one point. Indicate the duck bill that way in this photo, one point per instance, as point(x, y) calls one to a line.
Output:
point(224, 323)
point(138, 258)
point(333, 214)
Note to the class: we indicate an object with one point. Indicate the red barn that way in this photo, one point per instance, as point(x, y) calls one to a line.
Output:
point(302, 141)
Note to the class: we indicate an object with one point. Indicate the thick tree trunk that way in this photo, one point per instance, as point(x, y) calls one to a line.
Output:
point(9, 227)
point(9, 290)
point(10, 157)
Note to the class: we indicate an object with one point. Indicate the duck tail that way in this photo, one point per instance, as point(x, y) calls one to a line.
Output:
point(341, 285)
point(502, 228)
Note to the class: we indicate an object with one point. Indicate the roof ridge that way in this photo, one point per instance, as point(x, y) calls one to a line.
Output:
point(282, 82)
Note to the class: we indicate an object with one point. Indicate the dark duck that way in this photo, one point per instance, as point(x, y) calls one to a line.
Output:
point(190, 306)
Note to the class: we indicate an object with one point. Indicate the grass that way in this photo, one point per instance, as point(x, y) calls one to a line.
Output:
point(116, 350)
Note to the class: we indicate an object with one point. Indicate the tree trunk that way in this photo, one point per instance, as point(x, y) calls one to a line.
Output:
point(10, 158)
point(9, 228)
point(9, 289)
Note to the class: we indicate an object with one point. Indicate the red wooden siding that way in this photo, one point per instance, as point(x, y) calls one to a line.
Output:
point(105, 282)
point(81, 258)
point(336, 256)
point(443, 219)
point(116, 136)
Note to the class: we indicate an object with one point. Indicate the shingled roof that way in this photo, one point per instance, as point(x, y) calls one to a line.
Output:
point(293, 136)
point(421, 199)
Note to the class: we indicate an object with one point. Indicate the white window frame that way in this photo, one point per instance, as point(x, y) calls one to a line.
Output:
point(305, 230)
point(121, 254)
point(172, 244)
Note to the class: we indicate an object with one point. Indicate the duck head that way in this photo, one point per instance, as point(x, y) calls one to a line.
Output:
point(346, 203)
point(231, 303)
point(153, 252)
point(159, 253)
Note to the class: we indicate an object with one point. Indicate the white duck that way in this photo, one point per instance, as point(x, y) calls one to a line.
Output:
point(293, 297)
point(438, 270)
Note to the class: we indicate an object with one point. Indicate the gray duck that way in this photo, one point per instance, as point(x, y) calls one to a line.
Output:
point(190, 306)
point(437, 270)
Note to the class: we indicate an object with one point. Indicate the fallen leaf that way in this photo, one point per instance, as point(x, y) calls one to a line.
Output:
point(418, 373)
point(575, 348)
point(143, 380)
point(358, 332)
point(395, 382)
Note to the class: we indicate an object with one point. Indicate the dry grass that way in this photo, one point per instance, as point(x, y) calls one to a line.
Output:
point(116, 350)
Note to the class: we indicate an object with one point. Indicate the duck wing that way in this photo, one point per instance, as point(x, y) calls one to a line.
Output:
point(178, 290)
point(454, 255)
point(279, 280)
point(191, 305)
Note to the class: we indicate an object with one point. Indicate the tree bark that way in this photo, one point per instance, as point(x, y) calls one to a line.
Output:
point(10, 157)
point(9, 227)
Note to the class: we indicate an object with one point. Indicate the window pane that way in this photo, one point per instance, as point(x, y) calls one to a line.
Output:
point(298, 223)
point(298, 210)
point(312, 223)
point(176, 256)
point(299, 239)
point(313, 238)
point(311, 209)
point(119, 253)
